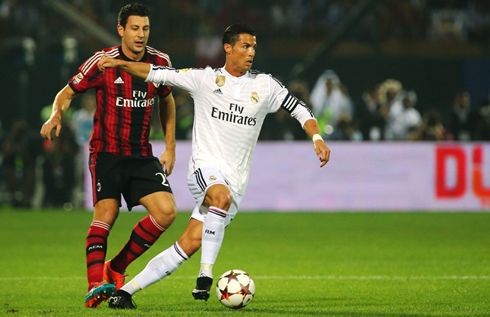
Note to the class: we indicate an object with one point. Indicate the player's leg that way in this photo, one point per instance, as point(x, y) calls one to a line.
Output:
point(160, 266)
point(219, 199)
point(148, 187)
point(105, 214)
point(106, 197)
point(190, 240)
point(212, 193)
point(162, 209)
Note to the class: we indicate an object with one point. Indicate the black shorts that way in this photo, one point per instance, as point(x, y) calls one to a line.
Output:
point(133, 177)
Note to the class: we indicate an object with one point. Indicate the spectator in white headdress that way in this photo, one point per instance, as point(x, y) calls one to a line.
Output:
point(329, 102)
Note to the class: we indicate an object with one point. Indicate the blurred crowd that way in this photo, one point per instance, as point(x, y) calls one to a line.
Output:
point(387, 111)
point(38, 173)
point(465, 20)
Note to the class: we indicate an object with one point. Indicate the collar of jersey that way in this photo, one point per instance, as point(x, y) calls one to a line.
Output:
point(121, 53)
point(235, 77)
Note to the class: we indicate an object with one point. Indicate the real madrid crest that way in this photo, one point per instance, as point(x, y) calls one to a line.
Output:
point(220, 81)
point(255, 97)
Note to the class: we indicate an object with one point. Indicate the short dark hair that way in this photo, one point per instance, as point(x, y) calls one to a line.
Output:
point(132, 9)
point(232, 33)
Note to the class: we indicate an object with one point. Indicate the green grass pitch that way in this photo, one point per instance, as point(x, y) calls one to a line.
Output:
point(303, 264)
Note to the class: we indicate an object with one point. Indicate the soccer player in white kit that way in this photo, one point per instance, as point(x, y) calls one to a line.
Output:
point(230, 107)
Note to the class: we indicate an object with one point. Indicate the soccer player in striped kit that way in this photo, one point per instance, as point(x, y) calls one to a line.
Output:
point(230, 107)
point(121, 158)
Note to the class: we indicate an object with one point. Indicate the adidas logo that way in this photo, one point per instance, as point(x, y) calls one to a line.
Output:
point(119, 81)
point(218, 91)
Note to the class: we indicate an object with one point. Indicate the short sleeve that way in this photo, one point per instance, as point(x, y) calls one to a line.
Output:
point(163, 91)
point(280, 97)
point(88, 75)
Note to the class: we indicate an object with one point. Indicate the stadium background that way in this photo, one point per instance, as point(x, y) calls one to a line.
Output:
point(434, 48)
point(304, 263)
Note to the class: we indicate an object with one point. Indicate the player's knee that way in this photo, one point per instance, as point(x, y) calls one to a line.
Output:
point(164, 213)
point(171, 212)
point(106, 211)
point(221, 200)
point(166, 216)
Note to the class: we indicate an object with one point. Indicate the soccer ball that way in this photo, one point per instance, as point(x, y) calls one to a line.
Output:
point(235, 289)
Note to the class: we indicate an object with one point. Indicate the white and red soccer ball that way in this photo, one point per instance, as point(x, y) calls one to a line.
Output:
point(235, 289)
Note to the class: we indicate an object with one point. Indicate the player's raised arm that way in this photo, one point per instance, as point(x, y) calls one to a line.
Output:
point(321, 149)
point(135, 69)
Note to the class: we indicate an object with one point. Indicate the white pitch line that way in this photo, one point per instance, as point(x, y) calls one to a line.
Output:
point(289, 277)
point(378, 277)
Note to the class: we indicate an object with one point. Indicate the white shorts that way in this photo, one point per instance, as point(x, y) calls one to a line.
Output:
point(198, 184)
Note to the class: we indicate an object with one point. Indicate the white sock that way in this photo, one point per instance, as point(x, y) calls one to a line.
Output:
point(206, 270)
point(158, 268)
point(213, 232)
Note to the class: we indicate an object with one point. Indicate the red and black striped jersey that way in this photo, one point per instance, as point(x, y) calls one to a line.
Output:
point(124, 104)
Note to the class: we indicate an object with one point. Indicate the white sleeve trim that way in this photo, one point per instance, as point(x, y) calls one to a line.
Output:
point(157, 74)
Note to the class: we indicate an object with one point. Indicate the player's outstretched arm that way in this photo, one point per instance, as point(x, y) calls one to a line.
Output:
point(321, 149)
point(61, 103)
point(136, 69)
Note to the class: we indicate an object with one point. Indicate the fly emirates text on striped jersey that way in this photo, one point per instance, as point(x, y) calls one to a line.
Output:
point(139, 100)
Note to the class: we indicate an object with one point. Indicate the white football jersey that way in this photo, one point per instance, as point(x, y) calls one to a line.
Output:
point(228, 114)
